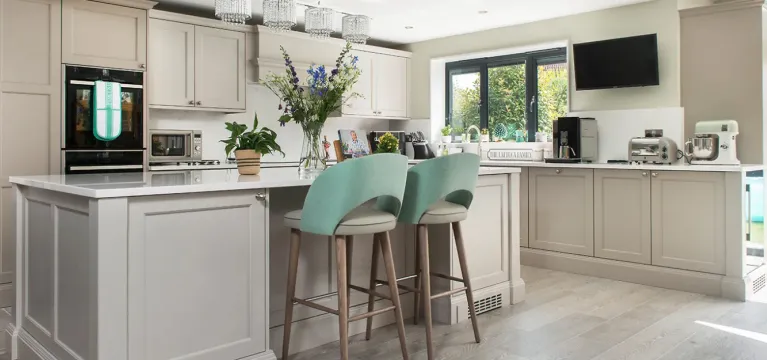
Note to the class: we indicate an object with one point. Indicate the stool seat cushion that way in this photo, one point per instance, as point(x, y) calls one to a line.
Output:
point(360, 221)
point(444, 212)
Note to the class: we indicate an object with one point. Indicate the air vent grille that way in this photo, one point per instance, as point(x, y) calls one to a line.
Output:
point(489, 303)
point(759, 283)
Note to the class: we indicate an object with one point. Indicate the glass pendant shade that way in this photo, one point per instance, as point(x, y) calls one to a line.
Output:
point(234, 11)
point(319, 22)
point(280, 15)
point(356, 28)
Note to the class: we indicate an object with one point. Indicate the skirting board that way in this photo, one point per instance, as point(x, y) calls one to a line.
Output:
point(683, 280)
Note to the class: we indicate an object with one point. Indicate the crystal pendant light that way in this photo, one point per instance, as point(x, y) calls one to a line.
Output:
point(279, 15)
point(233, 11)
point(319, 22)
point(356, 28)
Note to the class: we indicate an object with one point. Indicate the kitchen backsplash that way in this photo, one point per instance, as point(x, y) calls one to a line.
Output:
point(262, 100)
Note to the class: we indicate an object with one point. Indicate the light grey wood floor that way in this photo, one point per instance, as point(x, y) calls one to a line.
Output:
point(568, 316)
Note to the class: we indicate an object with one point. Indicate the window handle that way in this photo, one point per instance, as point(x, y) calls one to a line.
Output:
point(532, 104)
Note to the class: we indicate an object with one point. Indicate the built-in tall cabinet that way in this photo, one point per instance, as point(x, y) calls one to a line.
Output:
point(194, 65)
point(104, 35)
point(30, 109)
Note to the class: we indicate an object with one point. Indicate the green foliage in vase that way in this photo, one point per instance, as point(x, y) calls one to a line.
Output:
point(263, 141)
point(387, 143)
point(446, 130)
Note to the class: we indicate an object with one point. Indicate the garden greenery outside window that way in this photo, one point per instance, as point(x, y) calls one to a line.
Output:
point(512, 95)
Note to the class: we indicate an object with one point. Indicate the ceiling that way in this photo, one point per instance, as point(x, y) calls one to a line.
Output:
point(432, 19)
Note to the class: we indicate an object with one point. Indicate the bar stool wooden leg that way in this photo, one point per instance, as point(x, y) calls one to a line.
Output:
point(349, 252)
point(417, 283)
point(423, 244)
point(466, 278)
point(343, 300)
point(295, 246)
point(372, 286)
point(391, 276)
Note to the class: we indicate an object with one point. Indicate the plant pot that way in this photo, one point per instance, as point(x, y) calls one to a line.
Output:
point(447, 139)
point(485, 138)
point(248, 162)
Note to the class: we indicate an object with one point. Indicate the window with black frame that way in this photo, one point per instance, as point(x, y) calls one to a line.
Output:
point(513, 96)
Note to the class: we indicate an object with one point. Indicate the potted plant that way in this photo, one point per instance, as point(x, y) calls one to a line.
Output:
point(459, 132)
point(326, 91)
point(388, 144)
point(248, 146)
point(446, 134)
point(485, 135)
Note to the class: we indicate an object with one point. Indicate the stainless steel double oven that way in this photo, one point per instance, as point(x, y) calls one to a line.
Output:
point(82, 151)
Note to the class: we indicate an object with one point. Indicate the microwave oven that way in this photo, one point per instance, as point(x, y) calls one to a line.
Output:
point(175, 145)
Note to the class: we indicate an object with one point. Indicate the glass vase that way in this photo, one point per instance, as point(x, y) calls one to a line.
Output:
point(314, 157)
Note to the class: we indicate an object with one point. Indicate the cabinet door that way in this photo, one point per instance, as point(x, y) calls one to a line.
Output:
point(171, 62)
point(30, 109)
point(524, 205)
point(105, 35)
point(364, 104)
point(179, 264)
point(390, 94)
point(622, 215)
point(486, 234)
point(562, 210)
point(695, 239)
point(219, 68)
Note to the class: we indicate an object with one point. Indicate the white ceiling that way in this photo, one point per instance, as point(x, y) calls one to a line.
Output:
point(432, 19)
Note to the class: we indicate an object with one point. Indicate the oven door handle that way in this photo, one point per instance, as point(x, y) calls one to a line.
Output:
point(91, 83)
point(105, 167)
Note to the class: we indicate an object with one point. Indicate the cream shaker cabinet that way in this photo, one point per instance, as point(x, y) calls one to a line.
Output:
point(103, 35)
point(383, 86)
point(695, 240)
point(622, 215)
point(561, 210)
point(196, 67)
point(30, 109)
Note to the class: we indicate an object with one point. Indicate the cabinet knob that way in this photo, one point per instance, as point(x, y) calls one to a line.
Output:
point(644, 173)
point(191, 102)
point(199, 103)
point(143, 66)
point(558, 171)
point(261, 196)
point(654, 174)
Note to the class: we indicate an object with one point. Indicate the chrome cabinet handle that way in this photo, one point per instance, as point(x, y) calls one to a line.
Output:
point(191, 102)
point(143, 66)
point(199, 103)
point(558, 171)
point(261, 196)
point(654, 174)
point(644, 173)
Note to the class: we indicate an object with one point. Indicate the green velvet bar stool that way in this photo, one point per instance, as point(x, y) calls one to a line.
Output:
point(438, 191)
point(338, 205)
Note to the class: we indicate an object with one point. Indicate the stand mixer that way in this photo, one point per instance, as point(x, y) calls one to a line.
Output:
point(713, 143)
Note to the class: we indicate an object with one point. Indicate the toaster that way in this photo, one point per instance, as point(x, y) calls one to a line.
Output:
point(653, 150)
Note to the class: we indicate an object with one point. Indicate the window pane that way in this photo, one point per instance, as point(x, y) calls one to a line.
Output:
point(506, 102)
point(552, 94)
point(465, 101)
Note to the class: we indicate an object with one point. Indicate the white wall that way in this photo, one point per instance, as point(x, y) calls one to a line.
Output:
point(660, 16)
point(262, 100)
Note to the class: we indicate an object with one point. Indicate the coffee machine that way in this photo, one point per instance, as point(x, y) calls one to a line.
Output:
point(713, 143)
point(575, 140)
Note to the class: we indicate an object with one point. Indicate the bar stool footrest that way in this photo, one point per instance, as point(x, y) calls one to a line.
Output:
point(403, 287)
point(315, 306)
point(448, 277)
point(370, 314)
point(367, 291)
point(448, 293)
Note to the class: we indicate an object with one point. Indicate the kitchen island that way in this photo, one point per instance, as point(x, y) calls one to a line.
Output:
point(192, 264)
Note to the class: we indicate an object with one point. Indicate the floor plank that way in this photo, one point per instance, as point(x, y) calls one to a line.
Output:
point(575, 317)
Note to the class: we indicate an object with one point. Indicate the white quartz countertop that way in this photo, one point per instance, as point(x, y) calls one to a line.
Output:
point(179, 182)
point(649, 167)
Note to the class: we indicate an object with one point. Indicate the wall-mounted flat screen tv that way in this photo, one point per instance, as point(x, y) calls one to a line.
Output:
point(617, 63)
